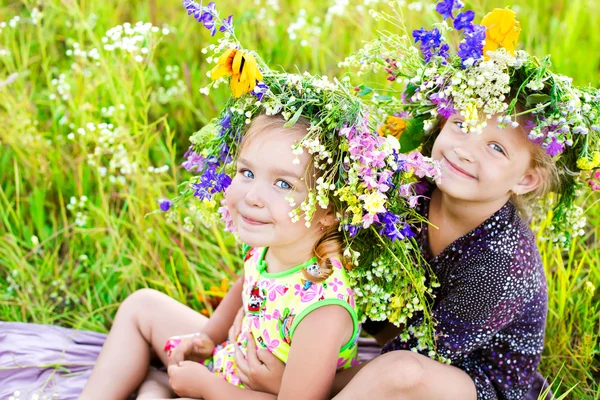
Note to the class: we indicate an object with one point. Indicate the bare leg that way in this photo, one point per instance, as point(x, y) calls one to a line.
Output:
point(405, 375)
point(145, 320)
point(155, 386)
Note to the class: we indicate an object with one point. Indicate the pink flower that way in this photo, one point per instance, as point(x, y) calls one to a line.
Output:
point(226, 217)
point(310, 293)
point(271, 345)
point(335, 284)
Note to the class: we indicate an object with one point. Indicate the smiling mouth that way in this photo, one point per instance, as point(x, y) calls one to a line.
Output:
point(458, 171)
point(250, 221)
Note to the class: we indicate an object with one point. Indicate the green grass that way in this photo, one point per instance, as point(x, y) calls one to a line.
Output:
point(57, 268)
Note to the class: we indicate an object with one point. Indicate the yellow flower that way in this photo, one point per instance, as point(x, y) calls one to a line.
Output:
point(470, 114)
point(502, 30)
point(393, 126)
point(242, 68)
point(586, 164)
point(374, 202)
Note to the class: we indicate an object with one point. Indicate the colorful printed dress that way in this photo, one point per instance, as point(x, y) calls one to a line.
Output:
point(275, 304)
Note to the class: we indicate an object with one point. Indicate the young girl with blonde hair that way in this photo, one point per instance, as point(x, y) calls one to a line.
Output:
point(305, 185)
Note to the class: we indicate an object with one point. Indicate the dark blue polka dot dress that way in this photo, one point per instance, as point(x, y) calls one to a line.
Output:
point(491, 305)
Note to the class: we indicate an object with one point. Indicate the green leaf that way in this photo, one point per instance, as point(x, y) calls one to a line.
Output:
point(383, 98)
point(413, 135)
point(536, 99)
point(364, 90)
point(294, 118)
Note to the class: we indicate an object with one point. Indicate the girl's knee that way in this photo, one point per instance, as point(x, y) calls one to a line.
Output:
point(403, 370)
point(141, 299)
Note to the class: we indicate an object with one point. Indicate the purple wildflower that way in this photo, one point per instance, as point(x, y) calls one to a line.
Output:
point(446, 8)
point(471, 48)
point(194, 161)
point(206, 15)
point(445, 106)
point(193, 8)
point(227, 24)
point(260, 90)
point(554, 148)
point(164, 204)
point(389, 228)
point(464, 20)
point(225, 123)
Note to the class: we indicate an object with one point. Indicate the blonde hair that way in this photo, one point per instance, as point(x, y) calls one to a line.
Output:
point(330, 244)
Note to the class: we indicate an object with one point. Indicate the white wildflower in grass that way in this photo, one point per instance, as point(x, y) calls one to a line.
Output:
point(78, 208)
point(133, 40)
point(62, 87)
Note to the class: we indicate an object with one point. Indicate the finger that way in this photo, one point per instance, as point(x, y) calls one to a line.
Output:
point(253, 362)
point(244, 379)
point(241, 361)
point(179, 352)
point(231, 334)
point(269, 360)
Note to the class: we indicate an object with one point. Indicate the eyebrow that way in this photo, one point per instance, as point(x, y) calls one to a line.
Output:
point(276, 171)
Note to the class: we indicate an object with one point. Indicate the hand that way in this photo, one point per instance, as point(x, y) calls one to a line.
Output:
point(197, 348)
point(260, 370)
point(186, 379)
point(236, 328)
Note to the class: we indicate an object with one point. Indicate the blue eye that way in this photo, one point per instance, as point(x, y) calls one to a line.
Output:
point(497, 148)
point(283, 185)
point(247, 173)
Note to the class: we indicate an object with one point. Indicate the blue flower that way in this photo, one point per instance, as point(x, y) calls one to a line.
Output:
point(211, 182)
point(389, 228)
point(470, 50)
point(446, 8)
point(464, 20)
point(408, 232)
point(164, 204)
point(351, 229)
point(431, 43)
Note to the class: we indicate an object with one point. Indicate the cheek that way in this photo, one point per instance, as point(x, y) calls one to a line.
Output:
point(232, 195)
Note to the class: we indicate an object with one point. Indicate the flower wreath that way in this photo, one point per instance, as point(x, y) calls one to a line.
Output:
point(362, 172)
point(478, 80)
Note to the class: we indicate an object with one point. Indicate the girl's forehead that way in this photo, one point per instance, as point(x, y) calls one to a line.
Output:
point(273, 146)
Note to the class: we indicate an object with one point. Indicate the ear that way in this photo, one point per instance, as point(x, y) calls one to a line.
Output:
point(532, 179)
point(328, 218)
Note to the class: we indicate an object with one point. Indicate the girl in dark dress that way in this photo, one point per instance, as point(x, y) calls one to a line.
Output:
point(491, 303)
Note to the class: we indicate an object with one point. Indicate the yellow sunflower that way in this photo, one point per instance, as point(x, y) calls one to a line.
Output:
point(502, 30)
point(241, 66)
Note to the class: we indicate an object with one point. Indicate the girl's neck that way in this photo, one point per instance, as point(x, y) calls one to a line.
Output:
point(463, 215)
point(282, 258)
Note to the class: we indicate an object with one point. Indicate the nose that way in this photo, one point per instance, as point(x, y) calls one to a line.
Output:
point(463, 153)
point(254, 196)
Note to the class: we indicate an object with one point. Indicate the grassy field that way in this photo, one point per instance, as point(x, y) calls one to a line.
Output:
point(93, 131)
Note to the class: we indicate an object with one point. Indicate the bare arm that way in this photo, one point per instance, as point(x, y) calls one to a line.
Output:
point(219, 323)
point(313, 357)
